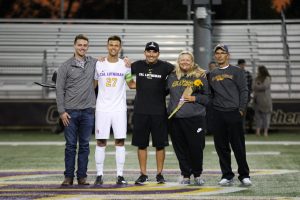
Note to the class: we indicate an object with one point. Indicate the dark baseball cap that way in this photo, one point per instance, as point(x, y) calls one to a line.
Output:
point(152, 46)
point(221, 46)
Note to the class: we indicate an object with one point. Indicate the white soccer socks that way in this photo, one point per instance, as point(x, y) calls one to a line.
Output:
point(120, 159)
point(99, 159)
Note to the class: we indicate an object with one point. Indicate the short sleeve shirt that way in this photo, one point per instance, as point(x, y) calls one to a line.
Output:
point(111, 86)
point(151, 86)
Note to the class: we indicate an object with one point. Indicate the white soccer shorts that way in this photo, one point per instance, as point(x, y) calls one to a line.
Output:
point(106, 120)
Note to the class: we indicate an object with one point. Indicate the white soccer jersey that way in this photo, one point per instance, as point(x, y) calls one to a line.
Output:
point(111, 86)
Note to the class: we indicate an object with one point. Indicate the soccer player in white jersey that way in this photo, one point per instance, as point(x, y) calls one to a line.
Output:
point(111, 75)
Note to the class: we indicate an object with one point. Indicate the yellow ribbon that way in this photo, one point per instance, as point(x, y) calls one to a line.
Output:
point(187, 92)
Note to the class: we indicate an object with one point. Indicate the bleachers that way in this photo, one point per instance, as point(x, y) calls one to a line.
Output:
point(265, 47)
point(22, 47)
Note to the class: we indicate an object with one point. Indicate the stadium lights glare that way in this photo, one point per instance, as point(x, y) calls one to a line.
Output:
point(201, 13)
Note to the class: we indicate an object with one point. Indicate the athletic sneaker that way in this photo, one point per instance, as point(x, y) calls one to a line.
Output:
point(199, 181)
point(121, 180)
point(99, 180)
point(142, 179)
point(226, 182)
point(246, 182)
point(160, 178)
point(185, 181)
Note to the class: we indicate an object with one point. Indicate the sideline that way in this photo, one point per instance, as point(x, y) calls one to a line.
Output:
point(61, 143)
point(43, 184)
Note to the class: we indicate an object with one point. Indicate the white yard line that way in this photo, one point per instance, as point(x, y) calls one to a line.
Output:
point(60, 143)
point(270, 153)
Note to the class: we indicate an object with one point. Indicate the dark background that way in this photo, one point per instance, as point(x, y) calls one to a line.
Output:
point(140, 9)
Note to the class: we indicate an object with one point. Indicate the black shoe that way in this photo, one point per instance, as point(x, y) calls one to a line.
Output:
point(67, 181)
point(142, 179)
point(121, 180)
point(160, 178)
point(99, 180)
point(82, 181)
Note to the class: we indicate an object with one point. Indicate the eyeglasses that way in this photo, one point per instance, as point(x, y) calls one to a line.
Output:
point(220, 53)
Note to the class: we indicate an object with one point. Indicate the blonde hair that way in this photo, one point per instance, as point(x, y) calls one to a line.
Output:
point(194, 71)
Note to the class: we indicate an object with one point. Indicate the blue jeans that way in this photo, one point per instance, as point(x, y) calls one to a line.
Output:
point(80, 128)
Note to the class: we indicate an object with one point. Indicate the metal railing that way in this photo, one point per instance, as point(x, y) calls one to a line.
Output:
point(49, 42)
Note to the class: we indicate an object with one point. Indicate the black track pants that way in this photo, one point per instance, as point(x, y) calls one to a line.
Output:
point(188, 139)
point(227, 128)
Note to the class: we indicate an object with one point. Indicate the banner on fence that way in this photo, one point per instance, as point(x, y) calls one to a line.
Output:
point(37, 114)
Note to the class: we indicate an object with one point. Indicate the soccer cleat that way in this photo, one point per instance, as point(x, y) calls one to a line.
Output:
point(121, 180)
point(199, 181)
point(246, 182)
point(143, 179)
point(160, 178)
point(185, 181)
point(226, 182)
point(99, 180)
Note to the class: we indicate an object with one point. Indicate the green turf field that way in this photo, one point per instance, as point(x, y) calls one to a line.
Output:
point(273, 161)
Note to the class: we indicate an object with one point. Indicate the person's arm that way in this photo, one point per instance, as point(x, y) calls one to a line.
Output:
point(60, 94)
point(95, 83)
point(202, 95)
point(127, 62)
point(241, 83)
point(131, 84)
point(168, 85)
point(130, 81)
point(210, 89)
point(171, 68)
point(134, 67)
point(96, 73)
point(259, 86)
point(189, 99)
point(60, 88)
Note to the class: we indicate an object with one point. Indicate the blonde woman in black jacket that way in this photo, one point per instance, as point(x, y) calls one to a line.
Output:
point(188, 123)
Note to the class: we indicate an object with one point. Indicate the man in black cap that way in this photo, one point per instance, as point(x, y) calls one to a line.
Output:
point(150, 109)
point(229, 100)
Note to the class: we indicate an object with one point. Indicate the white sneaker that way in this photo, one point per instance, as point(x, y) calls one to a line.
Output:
point(199, 181)
point(226, 182)
point(185, 181)
point(246, 182)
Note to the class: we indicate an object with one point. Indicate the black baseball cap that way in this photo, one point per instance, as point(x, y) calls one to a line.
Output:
point(221, 46)
point(152, 46)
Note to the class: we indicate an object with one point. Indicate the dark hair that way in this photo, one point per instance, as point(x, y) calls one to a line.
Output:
point(262, 73)
point(114, 37)
point(241, 61)
point(80, 37)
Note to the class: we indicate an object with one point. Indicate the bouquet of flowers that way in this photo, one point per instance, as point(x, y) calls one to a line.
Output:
point(197, 84)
